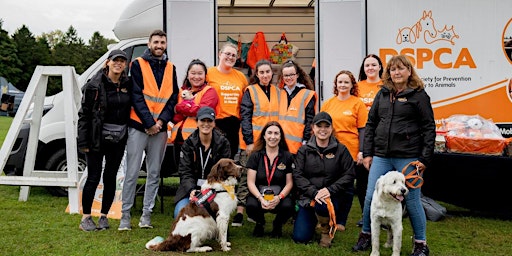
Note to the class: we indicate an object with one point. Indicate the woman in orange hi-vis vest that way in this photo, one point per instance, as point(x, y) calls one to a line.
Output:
point(296, 116)
point(186, 111)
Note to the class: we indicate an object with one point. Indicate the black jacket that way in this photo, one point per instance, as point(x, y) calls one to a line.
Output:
point(401, 126)
point(102, 102)
point(139, 104)
point(190, 163)
point(333, 169)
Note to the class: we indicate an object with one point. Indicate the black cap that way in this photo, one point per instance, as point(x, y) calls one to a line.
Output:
point(322, 117)
point(117, 53)
point(206, 112)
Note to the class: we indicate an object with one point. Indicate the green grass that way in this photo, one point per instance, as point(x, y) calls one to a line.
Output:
point(40, 226)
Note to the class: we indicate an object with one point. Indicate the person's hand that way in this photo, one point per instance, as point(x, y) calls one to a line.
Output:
point(322, 195)
point(421, 167)
point(264, 203)
point(85, 150)
point(360, 158)
point(192, 194)
point(155, 128)
point(367, 162)
point(272, 204)
point(249, 148)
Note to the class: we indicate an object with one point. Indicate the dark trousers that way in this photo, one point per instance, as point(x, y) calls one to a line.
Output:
point(361, 183)
point(231, 127)
point(113, 153)
point(283, 211)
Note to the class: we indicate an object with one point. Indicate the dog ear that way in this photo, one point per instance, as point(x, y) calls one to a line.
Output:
point(377, 185)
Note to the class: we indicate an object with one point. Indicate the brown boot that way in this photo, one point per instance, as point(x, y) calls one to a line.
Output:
point(325, 239)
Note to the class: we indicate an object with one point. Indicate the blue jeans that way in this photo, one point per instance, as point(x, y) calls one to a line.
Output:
point(179, 205)
point(381, 166)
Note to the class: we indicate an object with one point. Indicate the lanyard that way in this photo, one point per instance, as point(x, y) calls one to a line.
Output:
point(204, 163)
point(274, 165)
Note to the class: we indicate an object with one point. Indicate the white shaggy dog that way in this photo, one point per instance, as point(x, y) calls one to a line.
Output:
point(386, 209)
point(197, 223)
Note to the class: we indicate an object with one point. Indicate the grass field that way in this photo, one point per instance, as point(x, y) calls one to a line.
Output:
point(40, 226)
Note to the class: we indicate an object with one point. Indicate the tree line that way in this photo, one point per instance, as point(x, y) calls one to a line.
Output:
point(21, 52)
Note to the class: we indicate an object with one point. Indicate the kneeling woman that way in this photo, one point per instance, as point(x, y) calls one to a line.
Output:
point(324, 170)
point(269, 179)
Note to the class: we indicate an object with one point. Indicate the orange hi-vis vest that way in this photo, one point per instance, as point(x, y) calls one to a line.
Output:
point(155, 99)
point(292, 118)
point(264, 110)
point(189, 124)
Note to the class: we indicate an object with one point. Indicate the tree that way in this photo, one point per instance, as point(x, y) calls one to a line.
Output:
point(31, 53)
point(71, 51)
point(53, 38)
point(9, 61)
point(98, 45)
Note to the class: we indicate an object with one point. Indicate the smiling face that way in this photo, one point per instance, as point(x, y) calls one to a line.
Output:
point(116, 66)
point(399, 75)
point(227, 57)
point(290, 76)
point(371, 68)
point(264, 74)
point(157, 45)
point(205, 126)
point(344, 84)
point(196, 75)
point(322, 131)
point(272, 136)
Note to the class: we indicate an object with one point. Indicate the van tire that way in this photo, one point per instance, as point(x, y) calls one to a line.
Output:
point(58, 162)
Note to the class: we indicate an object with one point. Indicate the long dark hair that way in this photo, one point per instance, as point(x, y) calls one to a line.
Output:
point(302, 78)
point(260, 143)
point(254, 78)
point(362, 74)
point(186, 82)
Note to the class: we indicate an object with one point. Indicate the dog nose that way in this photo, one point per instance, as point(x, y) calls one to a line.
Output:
point(403, 190)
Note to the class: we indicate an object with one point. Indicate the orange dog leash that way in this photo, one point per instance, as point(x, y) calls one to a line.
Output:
point(413, 179)
point(332, 216)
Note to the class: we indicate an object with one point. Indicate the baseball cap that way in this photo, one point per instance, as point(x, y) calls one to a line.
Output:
point(322, 117)
point(206, 112)
point(117, 53)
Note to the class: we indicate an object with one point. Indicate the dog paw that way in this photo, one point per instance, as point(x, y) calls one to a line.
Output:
point(375, 253)
point(226, 248)
point(387, 245)
point(228, 244)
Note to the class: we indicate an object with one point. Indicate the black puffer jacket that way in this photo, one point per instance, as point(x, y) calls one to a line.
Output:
point(102, 102)
point(401, 126)
point(334, 169)
point(190, 161)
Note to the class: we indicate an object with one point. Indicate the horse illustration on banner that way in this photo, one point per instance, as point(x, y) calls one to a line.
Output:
point(426, 27)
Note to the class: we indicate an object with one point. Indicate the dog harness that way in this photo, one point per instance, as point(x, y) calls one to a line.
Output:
point(413, 178)
point(204, 197)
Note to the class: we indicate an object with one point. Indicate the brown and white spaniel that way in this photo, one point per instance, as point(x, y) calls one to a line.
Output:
point(198, 222)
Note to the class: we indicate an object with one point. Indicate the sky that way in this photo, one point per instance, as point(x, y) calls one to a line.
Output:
point(49, 15)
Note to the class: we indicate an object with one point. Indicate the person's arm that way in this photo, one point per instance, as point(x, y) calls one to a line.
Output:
point(347, 169)
point(138, 101)
point(371, 125)
point(304, 186)
point(246, 109)
point(85, 117)
point(428, 127)
point(167, 113)
point(210, 99)
point(310, 114)
point(186, 167)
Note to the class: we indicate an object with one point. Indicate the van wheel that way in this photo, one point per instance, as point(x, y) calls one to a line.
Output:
point(58, 162)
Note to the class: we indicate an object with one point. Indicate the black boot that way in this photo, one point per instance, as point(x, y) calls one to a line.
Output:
point(259, 230)
point(277, 230)
point(363, 243)
point(420, 249)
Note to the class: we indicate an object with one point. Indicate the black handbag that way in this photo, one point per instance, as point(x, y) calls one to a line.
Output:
point(114, 132)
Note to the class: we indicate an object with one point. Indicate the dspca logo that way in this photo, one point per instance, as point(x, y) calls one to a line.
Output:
point(425, 30)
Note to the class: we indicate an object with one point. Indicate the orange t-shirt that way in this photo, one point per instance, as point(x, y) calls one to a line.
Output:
point(367, 92)
point(347, 116)
point(230, 89)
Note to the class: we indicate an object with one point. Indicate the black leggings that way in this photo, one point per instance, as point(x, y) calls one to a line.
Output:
point(361, 183)
point(230, 126)
point(113, 153)
point(284, 210)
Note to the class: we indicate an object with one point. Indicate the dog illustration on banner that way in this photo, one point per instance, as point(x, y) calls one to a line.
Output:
point(426, 27)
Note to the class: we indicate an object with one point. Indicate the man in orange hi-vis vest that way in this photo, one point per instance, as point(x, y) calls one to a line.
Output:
point(154, 95)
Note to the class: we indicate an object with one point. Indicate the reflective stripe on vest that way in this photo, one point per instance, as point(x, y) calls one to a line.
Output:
point(190, 124)
point(264, 110)
point(292, 119)
point(155, 98)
